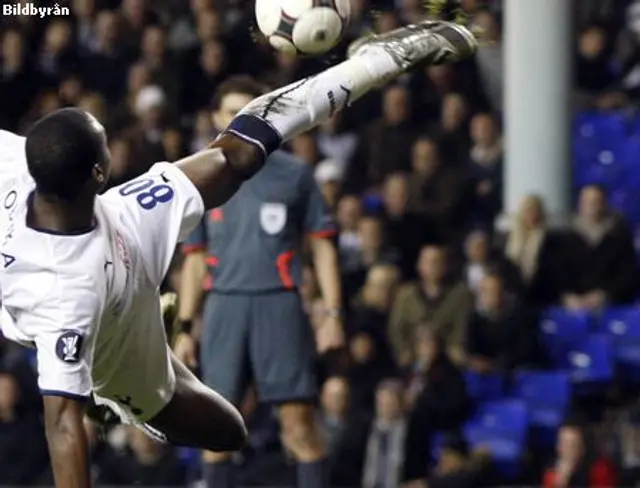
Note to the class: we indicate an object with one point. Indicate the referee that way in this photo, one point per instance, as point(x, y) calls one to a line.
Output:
point(254, 327)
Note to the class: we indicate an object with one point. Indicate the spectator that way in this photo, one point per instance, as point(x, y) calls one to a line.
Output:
point(84, 12)
point(105, 56)
point(386, 21)
point(434, 189)
point(135, 15)
point(349, 213)
point(346, 433)
point(628, 437)
point(453, 130)
point(490, 58)
point(70, 90)
point(413, 11)
point(56, 57)
point(369, 365)
point(405, 230)
point(120, 161)
point(477, 253)
point(575, 466)
point(386, 443)
point(172, 145)
point(373, 250)
point(23, 448)
point(124, 114)
point(329, 175)
point(182, 34)
point(600, 258)
point(536, 253)
point(210, 72)
point(336, 143)
point(145, 137)
point(203, 132)
point(370, 307)
point(94, 104)
point(501, 334)
point(288, 69)
point(594, 73)
point(305, 148)
point(457, 468)
point(19, 82)
point(485, 170)
point(159, 61)
point(438, 395)
point(385, 145)
point(434, 299)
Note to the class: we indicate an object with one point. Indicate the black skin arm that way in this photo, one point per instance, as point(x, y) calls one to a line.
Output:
point(68, 446)
point(218, 175)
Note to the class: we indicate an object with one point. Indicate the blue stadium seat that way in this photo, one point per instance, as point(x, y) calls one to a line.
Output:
point(591, 364)
point(600, 139)
point(485, 387)
point(561, 330)
point(547, 395)
point(502, 427)
point(622, 325)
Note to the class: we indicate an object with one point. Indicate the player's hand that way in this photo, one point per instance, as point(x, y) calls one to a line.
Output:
point(185, 350)
point(330, 335)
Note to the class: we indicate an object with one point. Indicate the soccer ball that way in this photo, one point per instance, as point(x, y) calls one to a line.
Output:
point(303, 26)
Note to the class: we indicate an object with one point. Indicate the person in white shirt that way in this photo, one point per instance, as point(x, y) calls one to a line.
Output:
point(80, 271)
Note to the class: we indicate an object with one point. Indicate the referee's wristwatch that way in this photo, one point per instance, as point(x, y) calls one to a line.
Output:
point(334, 313)
point(185, 326)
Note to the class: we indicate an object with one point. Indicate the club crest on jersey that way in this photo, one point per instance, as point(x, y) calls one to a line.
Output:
point(123, 252)
point(273, 217)
point(68, 347)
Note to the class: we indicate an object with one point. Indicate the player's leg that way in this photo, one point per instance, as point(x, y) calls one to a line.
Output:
point(282, 351)
point(280, 115)
point(197, 416)
point(224, 367)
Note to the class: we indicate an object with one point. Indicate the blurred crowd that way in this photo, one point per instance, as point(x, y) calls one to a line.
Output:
point(414, 175)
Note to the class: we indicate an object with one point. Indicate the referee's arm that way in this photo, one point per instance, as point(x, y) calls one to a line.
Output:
point(194, 270)
point(320, 226)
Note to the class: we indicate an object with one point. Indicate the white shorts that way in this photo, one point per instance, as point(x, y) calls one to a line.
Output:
point(144, 381)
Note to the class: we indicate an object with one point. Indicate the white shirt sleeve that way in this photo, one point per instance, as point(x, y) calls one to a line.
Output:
point(63, 333)
point(160, 209)
point(13, 160)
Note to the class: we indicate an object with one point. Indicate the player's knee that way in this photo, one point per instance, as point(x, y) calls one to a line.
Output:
point(235, 434)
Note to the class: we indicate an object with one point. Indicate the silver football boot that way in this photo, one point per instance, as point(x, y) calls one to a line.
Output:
point(431, 41)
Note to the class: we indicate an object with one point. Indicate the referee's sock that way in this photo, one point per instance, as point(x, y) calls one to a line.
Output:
point(218, 474)
point(278, 116)
point(314, 474)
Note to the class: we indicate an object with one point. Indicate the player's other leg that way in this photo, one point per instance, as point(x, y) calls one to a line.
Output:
point(280, 115)
point(196, 416)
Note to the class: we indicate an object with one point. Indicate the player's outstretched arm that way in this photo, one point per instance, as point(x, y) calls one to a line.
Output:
point(219, 171)
point(68, 447)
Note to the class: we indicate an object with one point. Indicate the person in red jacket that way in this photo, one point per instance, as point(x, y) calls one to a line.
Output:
point(574, 466)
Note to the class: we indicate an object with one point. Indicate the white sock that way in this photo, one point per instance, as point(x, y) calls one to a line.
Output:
point(276, 117)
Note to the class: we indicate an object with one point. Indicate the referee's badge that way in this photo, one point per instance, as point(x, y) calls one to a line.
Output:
point(273, 217)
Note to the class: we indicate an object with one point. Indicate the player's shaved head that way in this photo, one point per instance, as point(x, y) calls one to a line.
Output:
point(65, 151)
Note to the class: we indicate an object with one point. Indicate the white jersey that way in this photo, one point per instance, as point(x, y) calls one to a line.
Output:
point(89, 302)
